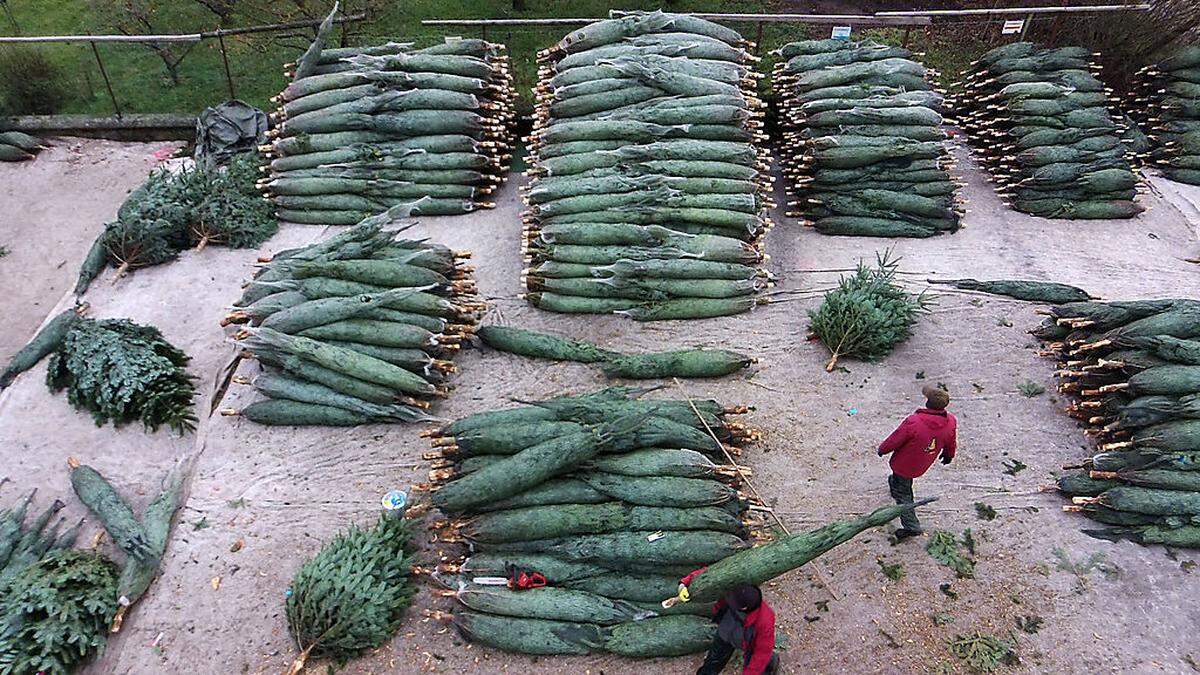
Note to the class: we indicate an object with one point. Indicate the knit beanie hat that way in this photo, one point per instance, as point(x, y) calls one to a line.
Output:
point(935, 398)
point(745, 597)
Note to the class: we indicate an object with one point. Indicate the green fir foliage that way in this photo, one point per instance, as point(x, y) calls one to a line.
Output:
point(868, 314)
point(351, 596)
point(944, 547)
point(173, 211)
point(121, 371)
point(56, 612)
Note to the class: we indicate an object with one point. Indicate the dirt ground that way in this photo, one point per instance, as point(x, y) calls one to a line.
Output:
point(282, 492)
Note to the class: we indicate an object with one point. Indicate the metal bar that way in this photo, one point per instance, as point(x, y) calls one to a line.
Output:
point(266, 28)
point(176, 37)
point(107, 84)
point(225, 60)
point(1018, 10)
point(841, 19)
point(192, 37)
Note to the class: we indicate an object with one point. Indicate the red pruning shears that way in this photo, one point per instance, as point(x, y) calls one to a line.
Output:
point(523, 579)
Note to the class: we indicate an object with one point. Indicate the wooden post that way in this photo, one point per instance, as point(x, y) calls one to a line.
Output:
point(1025, 26)
point(225, 60)
point(758, 38)
point(907, 33)
point(107, 83)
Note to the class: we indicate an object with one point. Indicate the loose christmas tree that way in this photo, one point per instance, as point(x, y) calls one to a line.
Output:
point(121, 371)
point(868, 314)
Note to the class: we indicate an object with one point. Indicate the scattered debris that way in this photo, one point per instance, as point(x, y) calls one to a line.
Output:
point(1013, 467)
point(1030, 624)
point(1029, 389)
point(941, 619)
point(984, 653)
point(1081, 570)
point(984, 512)
point(944, 547)
point(895, 571)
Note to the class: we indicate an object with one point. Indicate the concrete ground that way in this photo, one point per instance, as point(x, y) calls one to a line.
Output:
point(264, 499)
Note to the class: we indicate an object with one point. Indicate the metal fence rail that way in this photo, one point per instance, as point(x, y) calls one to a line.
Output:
point(186, 38)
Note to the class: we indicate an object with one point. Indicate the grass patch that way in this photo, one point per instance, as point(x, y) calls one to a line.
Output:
point(141, 84)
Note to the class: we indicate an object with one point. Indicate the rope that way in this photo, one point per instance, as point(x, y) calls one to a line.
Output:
point(816, 569)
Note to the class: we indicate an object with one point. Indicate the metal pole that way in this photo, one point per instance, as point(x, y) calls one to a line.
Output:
point(1025, 26)
point(87, 78)
point(225, 60)
point(107, 84)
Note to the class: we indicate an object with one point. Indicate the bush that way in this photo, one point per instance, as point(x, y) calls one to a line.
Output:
point(30, 84)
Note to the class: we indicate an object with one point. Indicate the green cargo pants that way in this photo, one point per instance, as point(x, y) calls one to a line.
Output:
point(902, 491)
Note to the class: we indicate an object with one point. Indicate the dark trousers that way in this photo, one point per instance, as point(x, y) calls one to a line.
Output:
point(902, 491)
point(719, 653)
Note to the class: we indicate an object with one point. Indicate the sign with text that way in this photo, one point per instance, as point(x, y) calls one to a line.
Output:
point(1013, 26)
point(841, 33)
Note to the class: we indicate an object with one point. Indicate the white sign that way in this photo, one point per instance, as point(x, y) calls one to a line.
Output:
point(841, 33)
point(1013, 26)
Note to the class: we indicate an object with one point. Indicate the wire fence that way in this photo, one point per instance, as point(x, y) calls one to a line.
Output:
point(184, 73)
point(107, 73)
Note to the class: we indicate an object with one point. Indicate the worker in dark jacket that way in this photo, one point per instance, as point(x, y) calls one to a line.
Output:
point(744, 621)
point(915, 445)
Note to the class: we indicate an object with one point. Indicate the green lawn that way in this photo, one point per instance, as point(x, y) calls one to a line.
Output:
point(141, 84)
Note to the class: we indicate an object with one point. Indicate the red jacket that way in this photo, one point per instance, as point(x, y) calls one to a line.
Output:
point(758, 643)
point(916, 444)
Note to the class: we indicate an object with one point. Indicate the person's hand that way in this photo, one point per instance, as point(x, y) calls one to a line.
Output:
point(946, 459)
point(684, 595)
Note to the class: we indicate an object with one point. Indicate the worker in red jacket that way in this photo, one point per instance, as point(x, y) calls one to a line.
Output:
point(744, 621)
point(915, 445)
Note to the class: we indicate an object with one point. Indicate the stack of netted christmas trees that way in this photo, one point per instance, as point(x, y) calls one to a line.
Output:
point(361, 129)
point(355, 329)
point(863, 146)
point(1134, 370)
point(649, 189)
point(1166, 103)
point(1038, 119)
point(583, 513)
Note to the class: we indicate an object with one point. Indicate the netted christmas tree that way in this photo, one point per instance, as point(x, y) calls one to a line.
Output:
point(868, 314)
point(351, 596)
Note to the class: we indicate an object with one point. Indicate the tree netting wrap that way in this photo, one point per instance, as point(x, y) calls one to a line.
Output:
point(1133, 370)
point(603, 501)
point(863, 146)
point(376, 126)
point(18, 147)
point(1166, 104)
point(1039, 121)
point(649, 189)
point(356, 329)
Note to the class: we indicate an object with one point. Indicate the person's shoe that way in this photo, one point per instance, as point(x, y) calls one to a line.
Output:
point(905, 533)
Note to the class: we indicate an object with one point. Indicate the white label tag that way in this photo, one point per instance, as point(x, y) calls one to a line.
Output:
point(1013, 26)
point(841, 33)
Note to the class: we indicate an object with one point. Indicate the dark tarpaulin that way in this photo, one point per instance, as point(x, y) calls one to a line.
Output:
point(226, 130)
